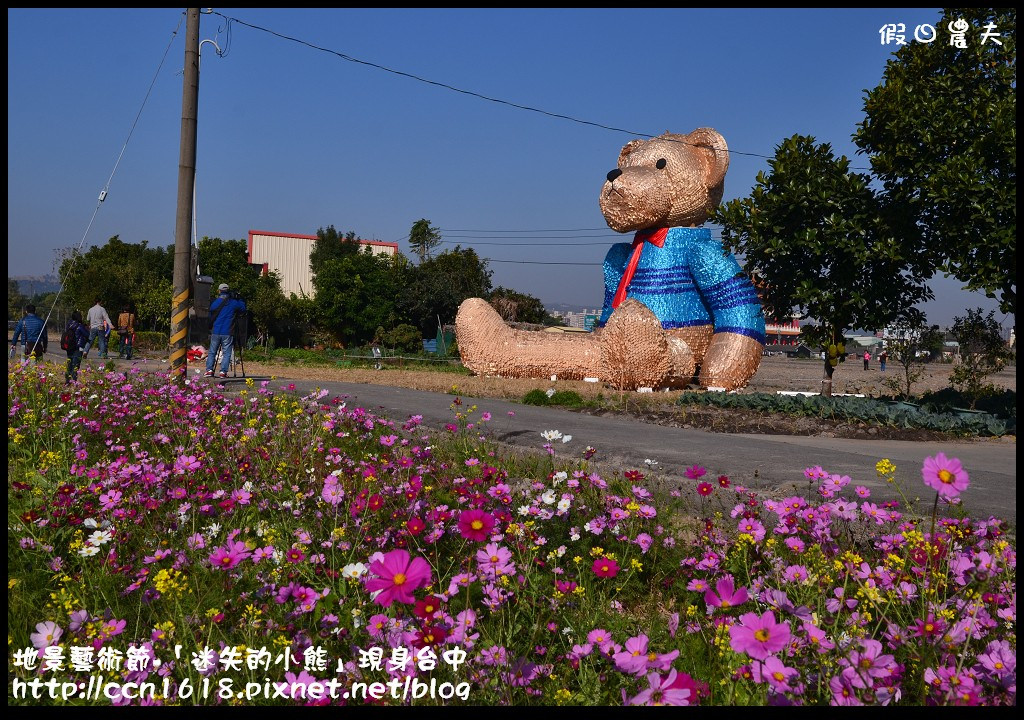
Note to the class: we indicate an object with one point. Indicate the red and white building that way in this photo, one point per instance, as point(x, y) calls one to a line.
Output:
point(288, 255)
point(782, 332)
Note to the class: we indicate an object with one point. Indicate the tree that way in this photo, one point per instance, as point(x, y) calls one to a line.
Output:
point(912, 341)
point(435, 289)
point(817, 238)
point(15, 299)
point(423, 238)
point(940, 132)
point(120, 273)
point(982, 352)
point(356, 294)
point(330, 245)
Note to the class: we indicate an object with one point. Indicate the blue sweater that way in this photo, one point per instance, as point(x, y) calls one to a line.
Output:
point(29, 328)
point(226, 317)
point(690, 281)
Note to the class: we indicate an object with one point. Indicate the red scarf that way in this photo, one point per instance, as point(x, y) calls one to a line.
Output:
point(654, 236)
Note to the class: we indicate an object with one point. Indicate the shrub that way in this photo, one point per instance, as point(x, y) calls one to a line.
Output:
point(535, 397)
point(568, 398)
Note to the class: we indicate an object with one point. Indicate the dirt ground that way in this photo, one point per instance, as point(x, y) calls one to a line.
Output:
point(774, 374)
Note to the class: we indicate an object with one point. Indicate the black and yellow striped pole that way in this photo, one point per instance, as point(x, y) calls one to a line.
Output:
point(186, 184)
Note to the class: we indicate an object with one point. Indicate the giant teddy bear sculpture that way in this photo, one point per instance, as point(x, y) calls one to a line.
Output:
point(675, 303)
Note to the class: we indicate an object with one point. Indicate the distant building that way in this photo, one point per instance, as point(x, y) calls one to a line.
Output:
point(288, 255)
point(783, 332)
point(577, 319)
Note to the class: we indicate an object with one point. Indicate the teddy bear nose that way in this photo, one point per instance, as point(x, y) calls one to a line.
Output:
point(614, 174)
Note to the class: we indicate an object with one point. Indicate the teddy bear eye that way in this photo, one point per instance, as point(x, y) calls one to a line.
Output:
point(660, 164)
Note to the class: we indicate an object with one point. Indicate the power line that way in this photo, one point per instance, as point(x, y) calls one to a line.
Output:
point(446, 86)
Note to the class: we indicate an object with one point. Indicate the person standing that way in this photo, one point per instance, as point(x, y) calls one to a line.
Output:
point(32, 329)
point(77, 348)
point(867, 359)
point(126, 333)
point(222, 318)
point(99, 321)
point(882, 357)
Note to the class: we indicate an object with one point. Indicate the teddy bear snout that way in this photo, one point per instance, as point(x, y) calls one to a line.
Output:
point(612, 174)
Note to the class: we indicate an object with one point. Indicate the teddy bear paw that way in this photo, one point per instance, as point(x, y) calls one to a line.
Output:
point(634, 349)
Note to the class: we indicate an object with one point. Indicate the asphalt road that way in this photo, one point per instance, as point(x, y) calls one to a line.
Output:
point(757, 461)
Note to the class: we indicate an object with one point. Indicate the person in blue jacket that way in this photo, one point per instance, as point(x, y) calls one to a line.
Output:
point(222, 318)
point(32, 333)
point(77, 348)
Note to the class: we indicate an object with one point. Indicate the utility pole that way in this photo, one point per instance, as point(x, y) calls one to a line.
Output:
point(181, 295)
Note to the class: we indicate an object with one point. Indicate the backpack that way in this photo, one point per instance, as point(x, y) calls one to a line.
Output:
point(69, 340)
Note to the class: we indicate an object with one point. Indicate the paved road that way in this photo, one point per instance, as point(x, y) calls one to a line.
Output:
point(757, 461)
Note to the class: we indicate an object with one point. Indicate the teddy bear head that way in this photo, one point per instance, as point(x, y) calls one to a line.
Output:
point(668, 181)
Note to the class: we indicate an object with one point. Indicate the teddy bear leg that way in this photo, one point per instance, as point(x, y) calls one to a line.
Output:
point(683, 364)
point(634, 348)
point(730, 362)
point(488, 346)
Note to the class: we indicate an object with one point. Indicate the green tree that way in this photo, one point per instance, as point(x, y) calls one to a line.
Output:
point(356, 294)
point(331, 245)
point(982, 352)
point(911, 342)
point(15, 300)
point(819, 239)
point(940, 132)
point(423, 238)
point(119, 274)
point(435, 289)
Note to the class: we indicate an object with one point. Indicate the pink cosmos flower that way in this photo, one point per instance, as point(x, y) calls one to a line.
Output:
point(662, 691)
point(605, 567)
point(705, 488)
point(398, 577)
point(47, 634)
point(229, 555)
point(945, 475)
point(725, 594)
point(333, 493)
point(476, 525)
point(759, 637)
point(633, 658)
point(775, 673)
point(696, 471)
point(495, 560)
point(753, 528)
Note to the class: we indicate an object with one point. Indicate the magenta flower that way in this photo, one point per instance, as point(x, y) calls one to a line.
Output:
point(775, 673)
point(495, 560)
point(476, 525)
point(333, 493)
point(695, 471)
point(662, 691)
point(633, 658)
point(725, 594)
point(47, 634)
point(398, 577)
point(228, 556)
point(945, 475)
point(605, 567)
point(759, 637)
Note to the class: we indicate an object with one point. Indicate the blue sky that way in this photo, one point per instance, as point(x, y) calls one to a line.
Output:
point(291, 138)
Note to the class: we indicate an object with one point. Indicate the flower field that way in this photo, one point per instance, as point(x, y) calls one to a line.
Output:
point(265, 548)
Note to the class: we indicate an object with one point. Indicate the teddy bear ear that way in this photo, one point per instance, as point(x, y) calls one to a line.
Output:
point(629, 148)
point(712, 146)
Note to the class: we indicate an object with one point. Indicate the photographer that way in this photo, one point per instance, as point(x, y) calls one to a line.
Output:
point(222, 317)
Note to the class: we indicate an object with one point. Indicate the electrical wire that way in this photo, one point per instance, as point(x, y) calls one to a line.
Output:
point(481, 96)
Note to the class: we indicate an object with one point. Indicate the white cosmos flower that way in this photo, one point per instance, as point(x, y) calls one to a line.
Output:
point(524, 510)
point(354, 571)
point(564, 504)
point(100, 537)
point(559, 477)
point(551, 435)
point(567, 438)
point(89, 523)
point(548, 497)
point(88, 550)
